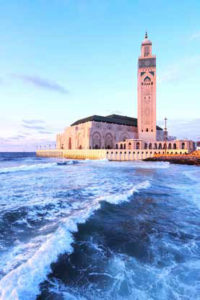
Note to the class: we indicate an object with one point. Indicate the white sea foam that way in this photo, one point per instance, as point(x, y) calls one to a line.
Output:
point(27, 167)
point(119, 198)
point(151, 165)
point(192, 175)
point(23, 281)
point(141, 281)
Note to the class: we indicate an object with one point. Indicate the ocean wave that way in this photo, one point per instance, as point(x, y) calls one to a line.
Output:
point(119, 198)
point(192, 175)
point(127, 278)
point(26, 167)
point(95, 160)
point(68, 162)
point(151, 165)
point(23, 281)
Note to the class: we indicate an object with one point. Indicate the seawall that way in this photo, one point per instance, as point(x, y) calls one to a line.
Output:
point(111, 154)
point(177, 159)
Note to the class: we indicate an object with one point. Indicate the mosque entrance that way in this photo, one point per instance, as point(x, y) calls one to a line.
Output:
point(96, 141)
point(108, 141)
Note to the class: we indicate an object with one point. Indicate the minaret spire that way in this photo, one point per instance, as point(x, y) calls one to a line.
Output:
point(146, 35)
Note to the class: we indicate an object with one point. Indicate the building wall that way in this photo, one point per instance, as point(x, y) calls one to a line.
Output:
point(157, 146)
point(94, 135)
point(114, 154)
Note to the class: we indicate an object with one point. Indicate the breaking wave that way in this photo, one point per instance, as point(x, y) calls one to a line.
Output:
point(151, 165)
point(27, 167)
point(68, 162)
point(23, 282)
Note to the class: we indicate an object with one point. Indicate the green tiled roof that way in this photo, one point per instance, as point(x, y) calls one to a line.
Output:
point(112, 119)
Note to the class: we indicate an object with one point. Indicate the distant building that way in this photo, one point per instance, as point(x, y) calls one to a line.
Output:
point(122, 132)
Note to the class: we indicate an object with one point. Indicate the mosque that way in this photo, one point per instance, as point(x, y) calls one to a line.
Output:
point(122, 132)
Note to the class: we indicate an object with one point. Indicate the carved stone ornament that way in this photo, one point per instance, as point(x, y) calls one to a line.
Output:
point(150, 62)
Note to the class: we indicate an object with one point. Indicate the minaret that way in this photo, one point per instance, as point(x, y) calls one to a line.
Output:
point(147, 92)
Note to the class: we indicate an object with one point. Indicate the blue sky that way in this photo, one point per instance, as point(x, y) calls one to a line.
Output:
point(61, 60)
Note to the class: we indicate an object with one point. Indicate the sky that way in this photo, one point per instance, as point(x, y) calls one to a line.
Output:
point(62, 60)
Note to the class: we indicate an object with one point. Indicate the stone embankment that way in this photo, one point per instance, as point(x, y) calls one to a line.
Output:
point(109, 154)
point(185, 159)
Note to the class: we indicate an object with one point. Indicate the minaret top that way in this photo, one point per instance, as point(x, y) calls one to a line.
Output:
point(146, 40)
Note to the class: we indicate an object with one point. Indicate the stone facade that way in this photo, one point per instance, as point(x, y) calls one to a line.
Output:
point(95, 135)
point(147, 92)
point(158, 146)
point(110, 154)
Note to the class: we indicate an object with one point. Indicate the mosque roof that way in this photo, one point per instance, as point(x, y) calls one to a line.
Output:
point(113, 119)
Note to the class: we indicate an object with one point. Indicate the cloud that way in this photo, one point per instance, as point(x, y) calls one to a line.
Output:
point(184, 129)
point(41, 83)
point(45, 132)
point(34, 127)
point(174, 72)
point(170, 75)
point(33, 121)
point(12, 138)
point(195, 36)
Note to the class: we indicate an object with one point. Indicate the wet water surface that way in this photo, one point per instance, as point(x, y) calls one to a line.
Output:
point(98, 229)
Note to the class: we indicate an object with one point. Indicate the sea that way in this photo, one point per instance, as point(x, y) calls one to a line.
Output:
point(90, 230)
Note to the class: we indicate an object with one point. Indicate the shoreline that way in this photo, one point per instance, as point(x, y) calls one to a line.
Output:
point(181, 160)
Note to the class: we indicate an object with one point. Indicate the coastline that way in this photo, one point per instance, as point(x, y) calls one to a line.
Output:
point(182, 160)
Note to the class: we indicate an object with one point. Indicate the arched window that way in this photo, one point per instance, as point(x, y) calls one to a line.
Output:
point(121, 146)
point(109, 141)
point(150, 146)
point(160, 146)
point(116, 146)
point(147, 130)
point(137, 145)
point(146, 50)
point(174, 146)
point(147, 79)
point(145, 146)
point(183, 146)
point(96, 140)
point(170, 146)
point(155, 146)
